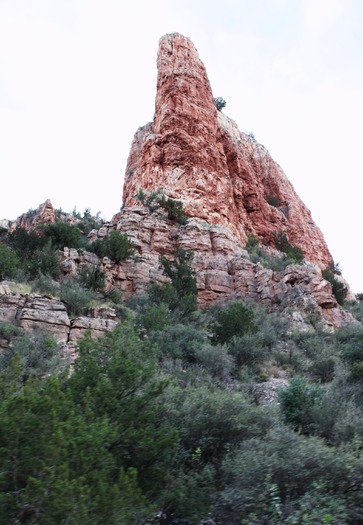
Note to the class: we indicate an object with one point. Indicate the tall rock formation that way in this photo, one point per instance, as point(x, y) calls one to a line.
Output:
point(198, 155)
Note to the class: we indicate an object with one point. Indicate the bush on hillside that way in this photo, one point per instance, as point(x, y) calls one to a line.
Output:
point(61, 235)
point(283, 245)
point(76, 297)
point(220, 103)
point(236, 319)
point(157, 199)
point(117, 246)
point(340, 291)
point(92, 277)
point(9, 262)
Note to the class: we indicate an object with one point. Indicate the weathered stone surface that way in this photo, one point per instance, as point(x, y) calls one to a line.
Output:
point(97, 327)
point(39, 312)
point(198, 155)
point(10, 306)
point(47, 314)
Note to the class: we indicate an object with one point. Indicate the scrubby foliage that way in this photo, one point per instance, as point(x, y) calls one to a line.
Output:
point(292, 252)
point(259, 255)
point(273, 200)
point(162, 421)
point(233, 321)
point(220, 103)
point(93, 277)
point(76, 297)
point(9, 262)
point(117, 246)
point(339, 289)
point(181, 292)
point(61, 234)
point(159, 418)
point(157, 199)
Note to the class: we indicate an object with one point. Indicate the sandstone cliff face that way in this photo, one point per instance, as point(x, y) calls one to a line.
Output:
point(198, 155)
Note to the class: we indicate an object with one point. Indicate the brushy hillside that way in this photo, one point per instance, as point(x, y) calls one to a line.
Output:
point(174, 417)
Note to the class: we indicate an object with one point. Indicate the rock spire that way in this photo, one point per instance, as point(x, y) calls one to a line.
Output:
point(199, 156)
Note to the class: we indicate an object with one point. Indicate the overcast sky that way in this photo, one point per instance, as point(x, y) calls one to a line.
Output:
point(78, 77)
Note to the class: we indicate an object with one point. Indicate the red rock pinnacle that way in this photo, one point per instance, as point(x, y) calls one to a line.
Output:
point(198, 155)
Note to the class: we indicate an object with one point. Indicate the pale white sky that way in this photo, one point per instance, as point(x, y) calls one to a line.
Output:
point(77, 78)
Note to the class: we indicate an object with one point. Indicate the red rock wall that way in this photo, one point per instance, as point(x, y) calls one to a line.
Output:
point(198, 155)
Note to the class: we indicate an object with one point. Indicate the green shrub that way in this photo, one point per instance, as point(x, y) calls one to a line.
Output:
point(355, 308)
point(297, 402)
point(9, 262)
point(189, 495)
point(323, 367)
point(259, 255)
point(248, 350)
point(233, 320)
point(215, 359)
point(339, 290)
point(174, 210)
point(151, 201)
point(356, 372)
point(62, 234)
point(156, 317)
point(88, 222)
point(181, 294)
point(180, 341)
point(92, 277)
point(76, 297)
point(44, 284)
point(39, 353)
point(8, 331)
point(284, 479)
point(220, 103)
point(114, 295)
point(25, 243)
point(283, 245)
point(44, 261)
point(157, 199)
point(117, 246)
point(273, 200)
point(252, 243)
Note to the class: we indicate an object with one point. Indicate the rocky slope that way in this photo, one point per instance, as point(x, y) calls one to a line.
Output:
point(198, 155)
point(223, 268)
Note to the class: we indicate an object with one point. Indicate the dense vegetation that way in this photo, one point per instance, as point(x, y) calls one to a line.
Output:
point(164, 420)
point(162, 417)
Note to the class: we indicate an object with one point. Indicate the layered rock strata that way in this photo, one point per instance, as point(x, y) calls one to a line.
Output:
point(48, 314)
point(198, 155)
point(223, 268)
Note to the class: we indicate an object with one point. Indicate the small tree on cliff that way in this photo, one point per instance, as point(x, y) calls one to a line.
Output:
point(157, 199)
point(220, 103)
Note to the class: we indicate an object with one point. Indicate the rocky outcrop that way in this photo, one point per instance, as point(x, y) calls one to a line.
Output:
point(48, 314)
point(198, 155)
point(44, 214)
point(223, 268)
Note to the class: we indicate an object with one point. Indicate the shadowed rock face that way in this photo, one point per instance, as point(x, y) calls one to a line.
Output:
point(198, 155)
